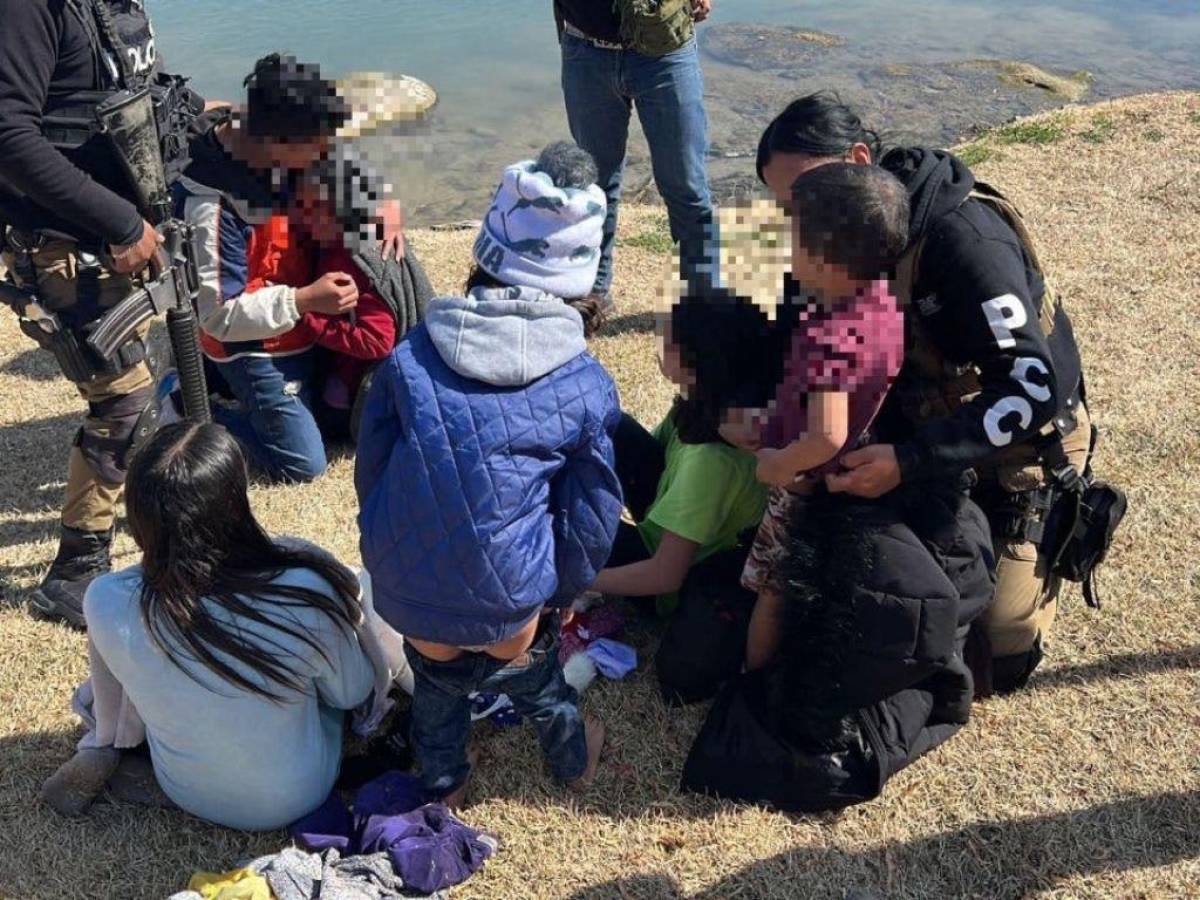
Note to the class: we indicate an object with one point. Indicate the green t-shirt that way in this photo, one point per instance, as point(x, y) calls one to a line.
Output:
point(708, 493)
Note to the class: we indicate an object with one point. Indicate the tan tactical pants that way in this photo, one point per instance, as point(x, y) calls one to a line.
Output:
point(1026, 594)
point(90, 499)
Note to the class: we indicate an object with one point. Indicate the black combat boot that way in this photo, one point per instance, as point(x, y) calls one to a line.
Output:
point(82, 555)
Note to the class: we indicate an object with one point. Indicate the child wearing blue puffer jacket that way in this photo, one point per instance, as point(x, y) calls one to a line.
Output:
point(486, 478)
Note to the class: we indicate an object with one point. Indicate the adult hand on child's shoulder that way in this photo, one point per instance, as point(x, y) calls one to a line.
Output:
point(391, 218)
point(872, 472)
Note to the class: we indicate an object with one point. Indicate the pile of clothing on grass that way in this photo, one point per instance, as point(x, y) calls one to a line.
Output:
point(388, 843)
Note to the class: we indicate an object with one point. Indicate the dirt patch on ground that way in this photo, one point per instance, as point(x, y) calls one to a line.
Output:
point(1084, 786)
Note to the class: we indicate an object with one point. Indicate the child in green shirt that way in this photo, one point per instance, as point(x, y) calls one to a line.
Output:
point(695, 502)
point(690, 493)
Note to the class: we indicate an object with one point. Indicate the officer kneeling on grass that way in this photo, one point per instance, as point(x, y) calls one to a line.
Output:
point(74, 239)
point(992, 392)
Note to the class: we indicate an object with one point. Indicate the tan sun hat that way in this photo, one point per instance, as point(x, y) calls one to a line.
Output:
point(377, 100)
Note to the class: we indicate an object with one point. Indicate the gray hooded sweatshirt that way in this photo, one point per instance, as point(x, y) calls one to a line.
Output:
point(507, 337)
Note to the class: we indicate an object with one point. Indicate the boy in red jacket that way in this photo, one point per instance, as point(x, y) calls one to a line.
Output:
point(354, 342)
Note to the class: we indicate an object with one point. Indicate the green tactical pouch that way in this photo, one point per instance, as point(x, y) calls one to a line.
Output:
point(655, 27)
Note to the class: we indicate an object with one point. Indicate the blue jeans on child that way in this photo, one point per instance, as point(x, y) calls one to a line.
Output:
point(274, 420)
point(599, 87)
point(441, 712)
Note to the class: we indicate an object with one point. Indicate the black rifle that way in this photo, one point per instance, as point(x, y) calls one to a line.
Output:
point(127, 119)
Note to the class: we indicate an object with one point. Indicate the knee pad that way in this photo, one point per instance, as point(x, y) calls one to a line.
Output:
point(114, 429)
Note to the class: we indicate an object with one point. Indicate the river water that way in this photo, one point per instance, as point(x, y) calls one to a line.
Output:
point(495, 66)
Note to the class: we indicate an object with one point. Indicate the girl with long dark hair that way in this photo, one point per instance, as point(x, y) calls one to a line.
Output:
point(239, 652)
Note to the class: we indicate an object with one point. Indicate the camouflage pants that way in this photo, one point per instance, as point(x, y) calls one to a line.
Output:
point(96, 463)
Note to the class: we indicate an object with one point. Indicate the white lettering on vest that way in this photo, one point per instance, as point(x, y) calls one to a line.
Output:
point(993, 419)
point(143, 57)
point(1004, 314)
point(1021, 371)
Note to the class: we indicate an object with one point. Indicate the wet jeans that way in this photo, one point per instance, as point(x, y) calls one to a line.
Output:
point(600, 87)
point(441, 712)
point(274, 420)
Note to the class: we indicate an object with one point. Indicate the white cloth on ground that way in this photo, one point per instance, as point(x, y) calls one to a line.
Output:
point(294, 874)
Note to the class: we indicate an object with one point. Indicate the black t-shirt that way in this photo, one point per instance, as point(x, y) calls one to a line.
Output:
point(595, 18)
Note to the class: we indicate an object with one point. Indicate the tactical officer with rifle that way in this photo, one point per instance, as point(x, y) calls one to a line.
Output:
point(92, 132)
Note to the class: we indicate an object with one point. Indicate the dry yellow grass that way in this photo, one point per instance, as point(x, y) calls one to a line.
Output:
point(1084, 786)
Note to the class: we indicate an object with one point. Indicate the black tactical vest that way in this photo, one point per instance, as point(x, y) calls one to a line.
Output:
point(125, 58)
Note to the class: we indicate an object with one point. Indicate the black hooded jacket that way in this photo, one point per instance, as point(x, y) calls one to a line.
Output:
point(879, 595)
point(979, 300)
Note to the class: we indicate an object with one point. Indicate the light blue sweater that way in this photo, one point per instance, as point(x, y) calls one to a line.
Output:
point(220, 752)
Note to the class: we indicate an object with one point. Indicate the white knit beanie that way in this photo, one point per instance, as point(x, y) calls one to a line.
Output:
point(541, 236)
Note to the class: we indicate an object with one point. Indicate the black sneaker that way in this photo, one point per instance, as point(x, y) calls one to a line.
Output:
point(82, 556)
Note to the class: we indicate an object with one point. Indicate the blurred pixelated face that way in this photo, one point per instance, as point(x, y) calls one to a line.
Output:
point(670, 358)
point(781, 172)
point(811, 269)
point(316, 215)
point(297, 153)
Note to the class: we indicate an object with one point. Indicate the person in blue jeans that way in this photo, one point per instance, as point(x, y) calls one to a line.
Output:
point(257, 283)
point(254, 269)
point(485, 475)
point(602, 81)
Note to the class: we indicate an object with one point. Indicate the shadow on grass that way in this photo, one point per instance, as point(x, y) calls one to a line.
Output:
point(35, 462)
point(32, 365)
point(1127, 664)
point(996, 859)
point(630, 323)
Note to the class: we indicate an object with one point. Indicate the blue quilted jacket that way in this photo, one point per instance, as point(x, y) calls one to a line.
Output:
point(485, 468)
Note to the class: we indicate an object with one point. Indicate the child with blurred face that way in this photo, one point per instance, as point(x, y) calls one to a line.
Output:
point(337, 205)
point(845, 350)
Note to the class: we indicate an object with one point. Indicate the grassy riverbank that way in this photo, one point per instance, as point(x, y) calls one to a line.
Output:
point(1084, 786)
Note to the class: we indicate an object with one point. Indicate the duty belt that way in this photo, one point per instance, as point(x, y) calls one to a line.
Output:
point(65, 336)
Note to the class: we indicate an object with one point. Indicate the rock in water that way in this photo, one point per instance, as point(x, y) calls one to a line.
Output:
point(766, 47)
point(1071, 88)
point(378, 100)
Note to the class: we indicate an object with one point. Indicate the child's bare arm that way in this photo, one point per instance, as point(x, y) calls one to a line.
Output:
point(663, 573)
point(762, 640)
point(827, 432)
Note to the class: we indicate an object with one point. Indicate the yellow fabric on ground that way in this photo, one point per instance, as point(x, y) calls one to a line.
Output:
point(240, 884)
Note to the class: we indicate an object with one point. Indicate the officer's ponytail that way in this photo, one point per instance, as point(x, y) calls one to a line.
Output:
point(818, 125)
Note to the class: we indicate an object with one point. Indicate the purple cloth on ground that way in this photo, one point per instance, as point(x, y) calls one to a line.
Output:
point(429, 848)
point(390, 794)
point(612, 658)
point(329, 825)
point(598, 622)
